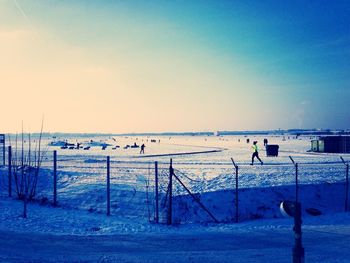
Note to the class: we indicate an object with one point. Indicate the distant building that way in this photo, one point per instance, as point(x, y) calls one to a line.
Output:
point(331, 144)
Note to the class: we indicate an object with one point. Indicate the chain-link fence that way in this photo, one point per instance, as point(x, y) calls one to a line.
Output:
point(322, 188)
point(181, 193)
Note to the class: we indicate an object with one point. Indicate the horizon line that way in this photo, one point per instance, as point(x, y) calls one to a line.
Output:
point(217, 132)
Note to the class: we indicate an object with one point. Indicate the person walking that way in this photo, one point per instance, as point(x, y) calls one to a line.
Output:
point(255, 153)
point(142, 149)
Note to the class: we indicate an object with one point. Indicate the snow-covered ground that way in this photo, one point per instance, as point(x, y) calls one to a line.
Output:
point(203, 164)
point(210, 175)
point(64, 235)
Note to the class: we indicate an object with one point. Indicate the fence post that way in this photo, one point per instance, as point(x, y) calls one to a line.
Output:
point(347, 188)
point(4, 151)
point(108, 188)
point(156, 191)
point(236, 191)
point(170, 207)
point(296, 180)
point(55, 178)
point(298, 250)
point(10, 170)
point(237, 194)
point(346, 184)
point(296, 184)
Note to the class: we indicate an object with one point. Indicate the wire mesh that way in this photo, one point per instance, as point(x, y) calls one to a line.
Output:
point(82, 184)
point(132, 189)
point(262, 188)
point(322, 187)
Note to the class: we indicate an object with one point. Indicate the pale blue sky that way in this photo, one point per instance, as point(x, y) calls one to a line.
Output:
point(149, 66)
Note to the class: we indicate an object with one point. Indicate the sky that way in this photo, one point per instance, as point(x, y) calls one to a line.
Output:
point(156, 66)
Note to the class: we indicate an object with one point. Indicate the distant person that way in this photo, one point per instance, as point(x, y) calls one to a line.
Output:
point(142, 149)
point(265, 142)
point(255, 153)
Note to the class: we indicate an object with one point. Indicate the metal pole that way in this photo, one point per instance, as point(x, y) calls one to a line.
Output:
point(298, 250)
point(10, 170)
point(170, 207)
point(108, 188)
point(236, 201)
point(346, 183)
point(347, 188)
point(236, 191)
point(3, 151)
point(55, 178)
point(296, 179)
point(156, 191)
point(296, 184)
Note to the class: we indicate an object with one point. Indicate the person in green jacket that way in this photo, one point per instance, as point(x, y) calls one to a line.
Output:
point(255, 153)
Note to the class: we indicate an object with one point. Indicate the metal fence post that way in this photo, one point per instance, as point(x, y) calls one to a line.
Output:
point(298, 250)
point(55, 178)
point(237, 195)
point(296, 184)
point(236, 191)
point(347, 188)
point(108, 188)
point(296, 180)
point(10, 170)
point(156, 191)
point(346, 184)
point(170, 207)
point(3, 156)
point(4, 151)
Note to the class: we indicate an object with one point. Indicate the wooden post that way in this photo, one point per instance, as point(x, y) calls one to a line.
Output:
point(156, 192)
point(10, 170)
point(170, 206)
point(55, 178)
point(108, 188)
